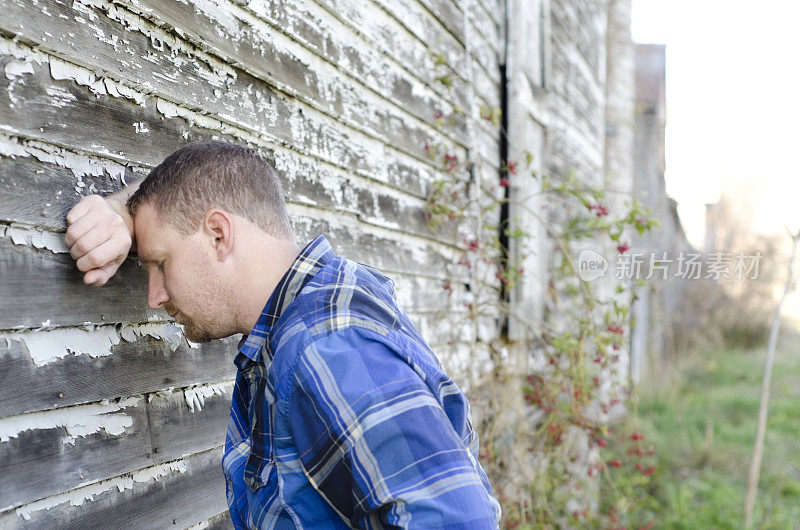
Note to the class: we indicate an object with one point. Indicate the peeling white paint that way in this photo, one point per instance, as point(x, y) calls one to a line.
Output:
point(78, 421)
point(17, 68)
point(119, 90)
point(60, 70)
point(48, 346)
point(213, 70)
point(329, 145)
point(78, 496)
point(25, 235)
point(419, 247)
point(196, 395)
point(12, 149)
point(328, 80)
point(81, 165)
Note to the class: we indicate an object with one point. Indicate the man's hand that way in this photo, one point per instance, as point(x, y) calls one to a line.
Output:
point(99, 237)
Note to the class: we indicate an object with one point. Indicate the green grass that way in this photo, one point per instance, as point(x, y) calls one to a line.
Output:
point(703, 427)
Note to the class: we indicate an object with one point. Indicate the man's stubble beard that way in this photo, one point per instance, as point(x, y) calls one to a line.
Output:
point(197, 334)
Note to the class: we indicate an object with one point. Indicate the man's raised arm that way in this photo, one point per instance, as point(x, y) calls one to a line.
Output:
point(100, 234)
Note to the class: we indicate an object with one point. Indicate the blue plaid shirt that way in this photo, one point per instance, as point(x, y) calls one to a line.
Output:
point(343, 417)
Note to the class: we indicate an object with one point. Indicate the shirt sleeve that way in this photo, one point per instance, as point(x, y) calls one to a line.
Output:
point(377, 445)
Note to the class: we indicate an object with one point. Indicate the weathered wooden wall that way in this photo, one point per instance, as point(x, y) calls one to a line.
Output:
point(107, 416)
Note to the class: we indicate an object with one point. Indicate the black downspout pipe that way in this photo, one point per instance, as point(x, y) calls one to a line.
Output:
point(504, 174)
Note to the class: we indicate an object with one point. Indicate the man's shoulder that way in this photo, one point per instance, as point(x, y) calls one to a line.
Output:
point(344, 298)
point(343, 292)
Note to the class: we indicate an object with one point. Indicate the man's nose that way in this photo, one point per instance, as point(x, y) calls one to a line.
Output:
point(156, 293)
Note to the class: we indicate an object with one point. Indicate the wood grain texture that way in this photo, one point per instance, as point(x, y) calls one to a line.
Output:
point(40, 285)
point(161, 427)
point(146, 365)
point(41, 193)
point(402, 255)
point(249, 37)
point(39, 463)
point(245, 96)
point(220, 522)
point(177, 430)
point(448, 14)
point(178, 500)
point(381, 29)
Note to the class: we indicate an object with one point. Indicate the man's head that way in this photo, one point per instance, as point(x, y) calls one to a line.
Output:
point(211, 227)
point(201, 176)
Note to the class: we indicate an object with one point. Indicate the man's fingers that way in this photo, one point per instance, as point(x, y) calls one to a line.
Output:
point(92, 239)
point(101, 275)
point(77, 211)
point(99, 238)
point(83, 207)
point(78, 229)
point(102, 255)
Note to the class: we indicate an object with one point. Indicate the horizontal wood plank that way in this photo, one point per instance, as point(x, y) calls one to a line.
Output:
point(41, 285)
point(42, 192)
point(449, 15)
point(176, 429)
point(59, 453)
point(146, 365)
point(199, 81)
point(180, 498)
point(45, 461)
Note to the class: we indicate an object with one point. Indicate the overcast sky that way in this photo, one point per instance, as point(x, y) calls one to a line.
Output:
point(733, 104)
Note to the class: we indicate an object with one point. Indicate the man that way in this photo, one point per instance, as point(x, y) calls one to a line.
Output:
point(341, 414)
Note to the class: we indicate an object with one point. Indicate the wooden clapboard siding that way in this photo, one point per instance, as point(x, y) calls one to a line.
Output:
point(340, 94)
point(176, 430)
point(448, 15)
point(205, 81)
point(30, 106)
point(257, 30)
point(177, 499)
point(41, 285)
point(483, 78)
point(139, 367)
point(161, 428)
point(577, 90)
point(377, 26)
point(38, 463)
point(34, 279)
point(42, 192)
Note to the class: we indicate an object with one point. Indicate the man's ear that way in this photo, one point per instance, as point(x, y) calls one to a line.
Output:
point(218, 226)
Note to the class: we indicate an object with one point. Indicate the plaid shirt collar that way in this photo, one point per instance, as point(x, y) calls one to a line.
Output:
point(310, 260)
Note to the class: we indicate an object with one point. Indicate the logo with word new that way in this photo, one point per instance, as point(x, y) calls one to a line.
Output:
point(591, 265)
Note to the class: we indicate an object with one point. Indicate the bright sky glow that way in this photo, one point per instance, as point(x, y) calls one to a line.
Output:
point(733, 104)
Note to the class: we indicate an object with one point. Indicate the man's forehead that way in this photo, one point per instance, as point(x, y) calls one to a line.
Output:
point(147, 227)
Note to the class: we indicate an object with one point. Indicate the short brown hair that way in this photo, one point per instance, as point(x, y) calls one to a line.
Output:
point(201, 176)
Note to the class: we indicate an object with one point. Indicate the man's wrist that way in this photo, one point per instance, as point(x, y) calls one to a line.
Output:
point(121, 208)
point(119, 203)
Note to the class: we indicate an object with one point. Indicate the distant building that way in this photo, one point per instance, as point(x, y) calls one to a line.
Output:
point(655, 311)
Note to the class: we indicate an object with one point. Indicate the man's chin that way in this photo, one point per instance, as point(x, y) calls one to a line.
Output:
point(197, 335)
